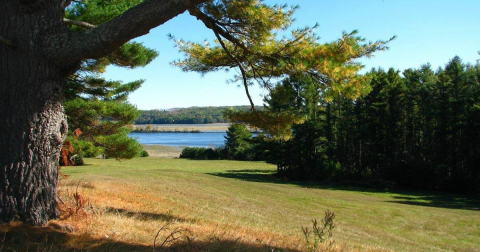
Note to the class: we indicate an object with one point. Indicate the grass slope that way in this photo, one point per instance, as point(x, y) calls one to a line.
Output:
point(240, 206)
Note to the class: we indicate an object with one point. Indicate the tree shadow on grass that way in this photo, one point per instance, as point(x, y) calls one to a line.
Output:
point(270, 176)
point(144, 216)
point(261, 176)
point(409, 197)
point(450, 201)
point(224, 245)
point(20, 237)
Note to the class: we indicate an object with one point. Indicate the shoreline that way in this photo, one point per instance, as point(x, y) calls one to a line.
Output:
point(183, 128)
point(179, 128)
point(162, 151)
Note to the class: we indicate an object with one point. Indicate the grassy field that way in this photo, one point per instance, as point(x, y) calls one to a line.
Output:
point(238, 206)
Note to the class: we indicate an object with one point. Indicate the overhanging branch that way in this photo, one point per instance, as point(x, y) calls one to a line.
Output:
point(72, 46)
point(212, 25)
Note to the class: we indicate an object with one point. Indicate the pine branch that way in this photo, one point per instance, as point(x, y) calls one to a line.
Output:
point(212, 24)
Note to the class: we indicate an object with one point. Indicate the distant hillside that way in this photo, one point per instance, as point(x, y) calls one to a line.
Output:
point(193, 115)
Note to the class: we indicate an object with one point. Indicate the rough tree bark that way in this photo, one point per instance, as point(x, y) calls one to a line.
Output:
point(37, 54)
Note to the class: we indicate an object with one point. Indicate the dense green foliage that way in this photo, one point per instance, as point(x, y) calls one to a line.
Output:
point(238, 142)
point(247, 40)
point(99, 117)
point(202, 153)
point(257, 148)
point(192, 115)
point(417, 129)
point(239, 145)
point(97, 106)
point(119, 145)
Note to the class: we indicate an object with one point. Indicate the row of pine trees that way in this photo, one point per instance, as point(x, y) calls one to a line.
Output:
point(418, 128)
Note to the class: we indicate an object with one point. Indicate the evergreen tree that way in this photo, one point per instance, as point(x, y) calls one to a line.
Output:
point(97, 106)
point(238, 142)
point(37, 56)
point(418, 129)
point(39, 45)
point(103, 124)
point(258, 55)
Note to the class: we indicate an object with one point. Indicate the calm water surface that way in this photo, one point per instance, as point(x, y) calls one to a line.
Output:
point(182, 139)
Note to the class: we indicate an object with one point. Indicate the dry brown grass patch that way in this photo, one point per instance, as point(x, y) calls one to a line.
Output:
point(103, 217)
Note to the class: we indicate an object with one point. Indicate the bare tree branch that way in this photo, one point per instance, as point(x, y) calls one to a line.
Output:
point(244, 76)
point(242, 69)
point(79, 23)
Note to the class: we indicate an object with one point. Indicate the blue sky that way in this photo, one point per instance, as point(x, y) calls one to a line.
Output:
point(428, 31)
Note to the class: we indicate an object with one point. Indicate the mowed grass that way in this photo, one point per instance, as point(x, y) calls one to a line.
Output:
point(241, 206)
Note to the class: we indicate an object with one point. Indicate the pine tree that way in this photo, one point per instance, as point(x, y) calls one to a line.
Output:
point(238, 141)
point(96, 106)
point(38, 53)
point(37, 56)
point(259, 55)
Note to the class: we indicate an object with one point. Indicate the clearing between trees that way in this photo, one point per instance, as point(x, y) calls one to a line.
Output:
point(237, 206)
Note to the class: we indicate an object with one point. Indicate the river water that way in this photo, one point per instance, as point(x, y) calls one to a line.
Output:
point(206, 139)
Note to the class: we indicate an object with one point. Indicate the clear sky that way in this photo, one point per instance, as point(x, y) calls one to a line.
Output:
point(428, 31)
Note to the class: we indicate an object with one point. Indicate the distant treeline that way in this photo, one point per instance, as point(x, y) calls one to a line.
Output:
point(193, 115)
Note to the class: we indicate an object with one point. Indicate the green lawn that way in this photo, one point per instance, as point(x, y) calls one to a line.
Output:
point(240, 206)
point(246, 194)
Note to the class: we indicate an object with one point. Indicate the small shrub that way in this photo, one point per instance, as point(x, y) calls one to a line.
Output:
point(86, 149)
point(78, 160)
point(72, 204)
point(201, 153)
point(144, 153)
point(119, 145)
point(167, 237)
point(319, 233)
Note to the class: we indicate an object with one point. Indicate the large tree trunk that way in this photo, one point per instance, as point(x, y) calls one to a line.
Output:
point(37, 54)
point(32, 121)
